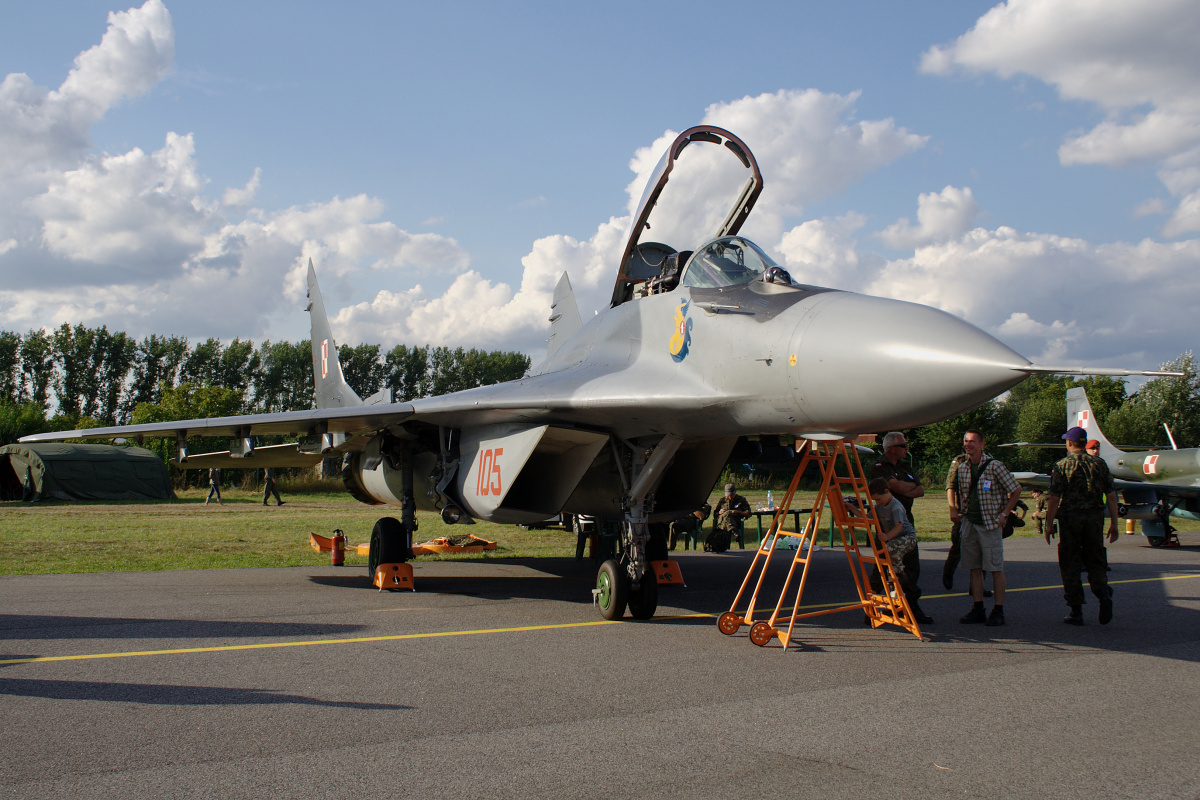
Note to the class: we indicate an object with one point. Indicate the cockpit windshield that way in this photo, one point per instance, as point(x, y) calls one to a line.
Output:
point(728, 261)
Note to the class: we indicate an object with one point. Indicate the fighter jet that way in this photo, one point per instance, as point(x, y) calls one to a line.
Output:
point(1154, 485)
point(633, 414)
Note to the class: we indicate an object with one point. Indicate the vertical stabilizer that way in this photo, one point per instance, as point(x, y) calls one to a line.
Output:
point(330, 387)
point(564, 315)
point(1079, 412)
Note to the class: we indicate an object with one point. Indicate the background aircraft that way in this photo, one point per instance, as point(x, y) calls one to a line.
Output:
point(633, 415)
point(1155, 485)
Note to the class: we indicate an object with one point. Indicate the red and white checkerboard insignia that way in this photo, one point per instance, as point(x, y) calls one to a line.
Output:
point(1082, 418)
point(1150, 466)
point(324, 358)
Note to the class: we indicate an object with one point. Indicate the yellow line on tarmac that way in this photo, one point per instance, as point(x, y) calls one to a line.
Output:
point(521, 629)
point(265, 645)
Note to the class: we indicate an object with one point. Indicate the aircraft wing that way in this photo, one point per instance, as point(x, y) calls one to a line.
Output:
point(1042, 481)
point(595, 398)
point(1165, 489)
point(1032, 480)
point(357, 419)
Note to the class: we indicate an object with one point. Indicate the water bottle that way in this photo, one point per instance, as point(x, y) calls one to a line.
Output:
point(770, 501)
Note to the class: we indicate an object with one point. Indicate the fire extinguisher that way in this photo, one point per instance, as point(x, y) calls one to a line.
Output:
point(337, 556)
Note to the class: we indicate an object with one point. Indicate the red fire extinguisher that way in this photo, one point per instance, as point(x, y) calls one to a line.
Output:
point(337, 556)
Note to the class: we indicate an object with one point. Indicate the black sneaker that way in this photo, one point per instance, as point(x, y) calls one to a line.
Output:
point(974, 616)
point(1106, 608)
point(1075, 617)
point(996, 617)
point(987, 592)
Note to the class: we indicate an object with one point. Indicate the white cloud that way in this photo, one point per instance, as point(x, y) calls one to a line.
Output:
point(940, 216)
point(133, 241)
point(136, 210)
point(1054, 298)
point(245, 195)
point(807, 144)
point(42, 129)
point(1137, 61)
point(824, 252)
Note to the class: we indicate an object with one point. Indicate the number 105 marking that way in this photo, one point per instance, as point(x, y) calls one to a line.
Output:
point(487, 479)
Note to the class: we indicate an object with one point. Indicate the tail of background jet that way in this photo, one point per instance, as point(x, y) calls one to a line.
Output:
point(330, 387)
point(1079, 412)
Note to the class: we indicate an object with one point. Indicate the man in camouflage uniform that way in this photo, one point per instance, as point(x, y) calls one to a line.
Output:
point(953, 554)
point(729, 516)
point(1039, 511)
point(1078, 487)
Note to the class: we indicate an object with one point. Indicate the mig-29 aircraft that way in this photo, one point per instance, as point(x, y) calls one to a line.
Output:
point(633, 415)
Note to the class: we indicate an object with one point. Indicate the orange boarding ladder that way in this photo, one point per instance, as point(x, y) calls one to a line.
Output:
point(731, 621)
point(841, 471)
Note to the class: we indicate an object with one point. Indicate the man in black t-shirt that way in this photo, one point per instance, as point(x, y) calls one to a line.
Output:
point(904, 486)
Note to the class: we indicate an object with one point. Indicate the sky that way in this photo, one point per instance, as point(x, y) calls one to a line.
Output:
point(1032, 167)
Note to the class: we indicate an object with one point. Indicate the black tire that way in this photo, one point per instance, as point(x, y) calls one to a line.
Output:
point(643, 601)
point(389, 545)
point(1156, 541)
point(614, 589)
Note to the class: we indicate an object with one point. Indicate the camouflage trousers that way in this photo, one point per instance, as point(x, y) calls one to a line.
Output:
point(1080, 547)
point(906, 562)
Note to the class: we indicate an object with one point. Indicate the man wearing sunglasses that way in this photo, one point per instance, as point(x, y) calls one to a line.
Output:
point(894, 468)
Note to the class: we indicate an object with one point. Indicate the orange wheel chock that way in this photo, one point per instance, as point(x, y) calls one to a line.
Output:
point(394, 577)
point(729, 623)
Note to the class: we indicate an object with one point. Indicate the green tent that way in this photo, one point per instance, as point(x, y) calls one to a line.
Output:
point(58, 471)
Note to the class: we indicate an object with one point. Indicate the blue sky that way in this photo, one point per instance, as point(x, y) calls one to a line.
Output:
point(1034, 168)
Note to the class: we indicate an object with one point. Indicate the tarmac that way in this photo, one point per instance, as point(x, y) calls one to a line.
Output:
point(498, 679)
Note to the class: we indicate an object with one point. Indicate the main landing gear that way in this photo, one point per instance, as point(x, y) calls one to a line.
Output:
point(629, 581)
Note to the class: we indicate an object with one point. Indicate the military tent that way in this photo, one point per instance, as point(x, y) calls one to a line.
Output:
point(59, 471)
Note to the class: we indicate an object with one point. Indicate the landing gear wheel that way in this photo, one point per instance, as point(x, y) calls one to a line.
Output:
point(729, 623)
point(643, 601)
point(761, 633)
point(1156, 541)
point(387, 544)
point(613, 589)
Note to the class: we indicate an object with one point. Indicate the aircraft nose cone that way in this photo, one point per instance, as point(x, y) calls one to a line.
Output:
point(868, 364)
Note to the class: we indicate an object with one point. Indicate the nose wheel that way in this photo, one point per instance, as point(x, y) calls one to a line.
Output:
point(612, 590)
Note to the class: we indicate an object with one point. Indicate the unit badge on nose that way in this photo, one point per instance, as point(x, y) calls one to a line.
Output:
point(682, 337)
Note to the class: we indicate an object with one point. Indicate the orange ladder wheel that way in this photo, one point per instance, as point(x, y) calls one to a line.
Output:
point(761, 633)
point(729, 623)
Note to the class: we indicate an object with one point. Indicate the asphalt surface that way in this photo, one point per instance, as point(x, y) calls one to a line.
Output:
point(499, 680)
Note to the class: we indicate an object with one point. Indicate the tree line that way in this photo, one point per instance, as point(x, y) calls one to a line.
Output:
point(91, 377)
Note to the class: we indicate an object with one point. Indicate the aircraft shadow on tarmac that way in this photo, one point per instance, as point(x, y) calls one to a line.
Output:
point(172, 695)
point(712, 579)
point(1146, 616)
point(37, 626)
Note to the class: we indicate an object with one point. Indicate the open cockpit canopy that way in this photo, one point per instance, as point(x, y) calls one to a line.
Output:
point(699, 212)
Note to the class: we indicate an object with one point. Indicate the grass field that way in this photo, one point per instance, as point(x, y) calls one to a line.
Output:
point(65, 537)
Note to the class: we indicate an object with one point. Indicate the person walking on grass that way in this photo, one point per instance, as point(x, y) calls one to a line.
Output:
point(214, 486)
